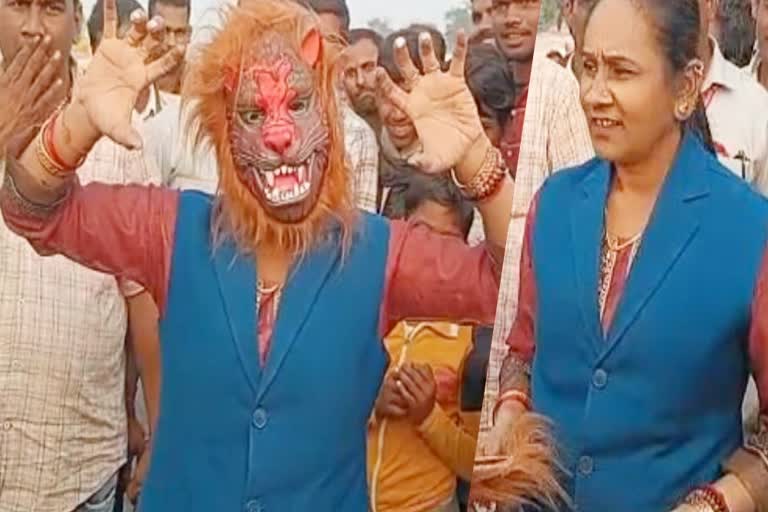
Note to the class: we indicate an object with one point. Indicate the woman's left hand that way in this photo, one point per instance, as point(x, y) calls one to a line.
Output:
point(439, 104)
point(119, 71)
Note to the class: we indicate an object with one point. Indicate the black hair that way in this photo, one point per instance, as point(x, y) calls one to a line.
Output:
point(490, 80)
point(411, 36)
point(96, 21)
point(362, 34)
point(187, 4)
point(441, 190)
point(337, 8)
point(678, 31)
point(737, 31)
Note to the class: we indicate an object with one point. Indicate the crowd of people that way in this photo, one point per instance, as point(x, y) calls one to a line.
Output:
point(629, 309)
point(77, 426)
point(603, 270)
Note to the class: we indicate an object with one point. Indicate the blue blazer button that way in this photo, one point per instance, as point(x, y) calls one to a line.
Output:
point(600, 378)
point(254, 506)
point(260, 418)
point(586, 466)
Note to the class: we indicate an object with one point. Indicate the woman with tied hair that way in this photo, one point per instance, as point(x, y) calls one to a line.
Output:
point(643, 299)
point(274, 295)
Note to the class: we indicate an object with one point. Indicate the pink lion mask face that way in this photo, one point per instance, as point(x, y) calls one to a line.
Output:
point(263, 93)
point(278, 135)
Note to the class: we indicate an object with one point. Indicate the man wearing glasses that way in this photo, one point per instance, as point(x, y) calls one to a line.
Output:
point(176, 14)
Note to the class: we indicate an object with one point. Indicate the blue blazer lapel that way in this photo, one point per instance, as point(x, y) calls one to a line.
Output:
point(236, 275)
point(673, 224)
point(587, 219)
point(301, 292)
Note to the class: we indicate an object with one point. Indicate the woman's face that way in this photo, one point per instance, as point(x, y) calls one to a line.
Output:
point(626, 92)
point(401, 131)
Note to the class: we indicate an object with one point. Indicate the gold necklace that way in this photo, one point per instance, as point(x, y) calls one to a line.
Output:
point(612, 241)
point(267, 290)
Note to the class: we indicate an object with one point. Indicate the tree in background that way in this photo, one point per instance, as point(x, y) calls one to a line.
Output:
point(550, 14)
point(457, 18)
point(381, 26)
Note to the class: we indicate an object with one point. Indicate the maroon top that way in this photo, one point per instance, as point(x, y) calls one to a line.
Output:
point(128, 231)
point(512, 136)
point(521, 339)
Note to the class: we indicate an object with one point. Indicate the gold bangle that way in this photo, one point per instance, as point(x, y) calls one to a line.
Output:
point(487, 180)
point(456, 181)
point(707, 499)
point(516, 396)
point(510, 396)
point(68, 138)
point(45, 160)
point(485, 183)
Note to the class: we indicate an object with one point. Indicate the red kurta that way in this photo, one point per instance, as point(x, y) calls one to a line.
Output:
point(128, 231)
point(615, 269)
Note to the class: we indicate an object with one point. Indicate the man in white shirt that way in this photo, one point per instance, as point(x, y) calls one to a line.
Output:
point(737, 109)
point(63, 421)
point(756, 68)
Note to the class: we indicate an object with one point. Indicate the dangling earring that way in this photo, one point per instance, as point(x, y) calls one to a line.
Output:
point(681, 111)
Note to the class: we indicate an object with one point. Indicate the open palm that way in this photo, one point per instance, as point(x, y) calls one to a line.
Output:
point(438, 103)
point(119, 72)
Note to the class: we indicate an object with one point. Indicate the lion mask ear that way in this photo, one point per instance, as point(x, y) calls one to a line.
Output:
point(312, 47)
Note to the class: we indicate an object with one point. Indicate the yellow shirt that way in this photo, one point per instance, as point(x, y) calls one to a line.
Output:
point(414, 468)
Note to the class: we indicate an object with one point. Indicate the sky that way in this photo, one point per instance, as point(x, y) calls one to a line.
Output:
point(398, 12)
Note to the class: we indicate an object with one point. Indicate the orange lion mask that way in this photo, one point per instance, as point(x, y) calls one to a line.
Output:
point(263, 94)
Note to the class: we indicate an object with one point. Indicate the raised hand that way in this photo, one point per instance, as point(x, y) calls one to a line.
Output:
point(29, 88)
point(438, 102)
point(119, 71)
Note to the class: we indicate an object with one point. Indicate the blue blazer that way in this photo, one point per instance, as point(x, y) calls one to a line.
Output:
point(651, 409)
point(236, 437)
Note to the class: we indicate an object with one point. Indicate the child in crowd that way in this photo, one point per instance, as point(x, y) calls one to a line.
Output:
point(418, 441)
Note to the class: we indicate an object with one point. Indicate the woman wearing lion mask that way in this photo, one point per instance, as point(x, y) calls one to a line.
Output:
point(274, 293)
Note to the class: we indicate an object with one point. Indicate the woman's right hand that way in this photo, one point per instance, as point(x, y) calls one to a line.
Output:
point(493, 442)
point(105, 96)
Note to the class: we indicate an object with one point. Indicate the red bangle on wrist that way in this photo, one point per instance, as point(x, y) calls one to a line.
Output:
point(48, 141)
point(709, 497)
point(513, 395)
point(487, 180)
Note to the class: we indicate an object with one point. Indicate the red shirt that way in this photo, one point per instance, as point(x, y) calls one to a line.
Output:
point(128, 231)
point(513, 133)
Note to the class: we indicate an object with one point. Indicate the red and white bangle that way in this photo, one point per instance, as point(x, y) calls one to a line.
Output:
point(487, 180)
point(46, 152)
point(513, 395)
point(707, 499)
